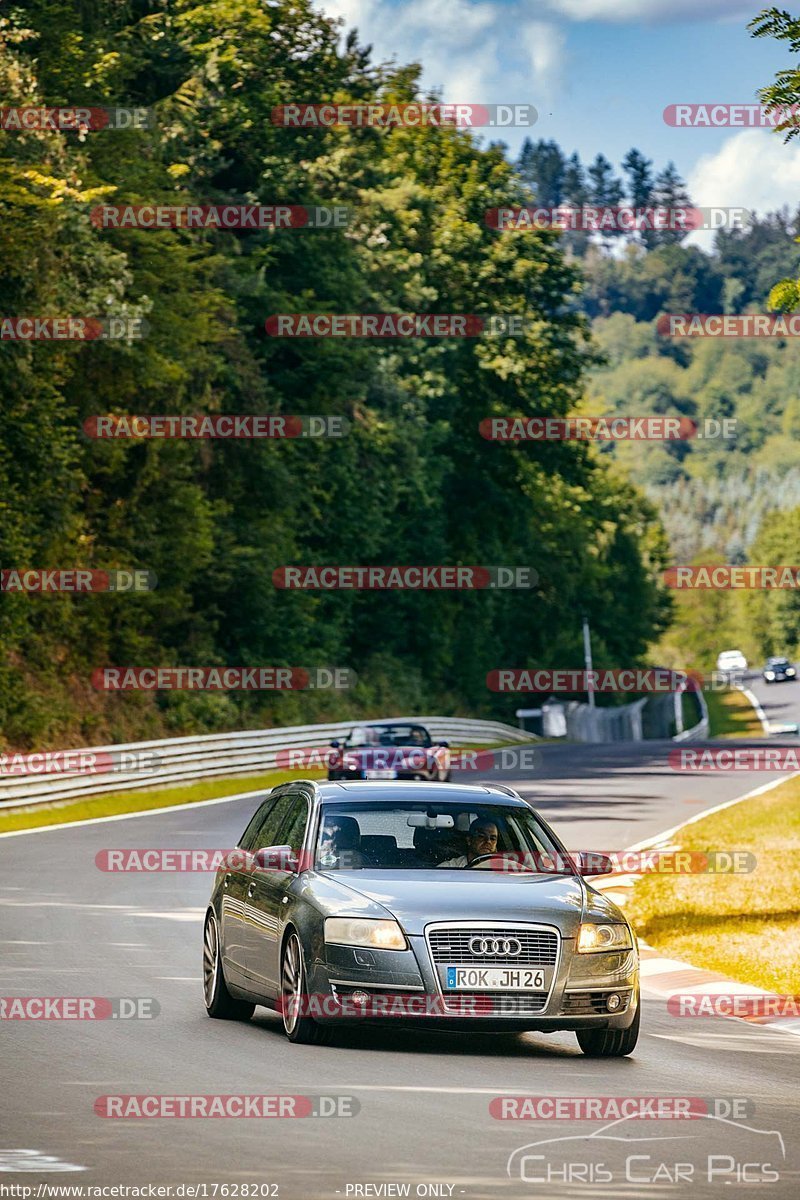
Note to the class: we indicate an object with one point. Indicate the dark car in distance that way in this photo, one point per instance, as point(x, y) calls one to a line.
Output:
point(778, 670)
point(450, 906)
point(390, 750)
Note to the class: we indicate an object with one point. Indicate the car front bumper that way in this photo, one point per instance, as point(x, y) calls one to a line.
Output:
point(404, 988)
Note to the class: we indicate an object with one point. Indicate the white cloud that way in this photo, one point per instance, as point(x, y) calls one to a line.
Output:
point(469, 50)
point(670, 11)
point(754, 169)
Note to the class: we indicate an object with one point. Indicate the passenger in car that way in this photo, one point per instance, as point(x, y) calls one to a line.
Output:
point(340, 844)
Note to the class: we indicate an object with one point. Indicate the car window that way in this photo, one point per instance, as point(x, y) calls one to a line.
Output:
point(255, 823)
point(270, 828)
point(293, 829)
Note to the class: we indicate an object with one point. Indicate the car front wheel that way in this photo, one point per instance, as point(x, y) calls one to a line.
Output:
point(610, 1043)
point(219, 1002)
point(300, 1029)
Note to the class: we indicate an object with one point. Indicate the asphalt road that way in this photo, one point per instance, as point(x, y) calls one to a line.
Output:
point(68, 929)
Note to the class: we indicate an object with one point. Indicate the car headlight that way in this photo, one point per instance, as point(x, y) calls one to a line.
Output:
point(769, 674)
point(790, 670)
point(603, 937)
point(355, 931)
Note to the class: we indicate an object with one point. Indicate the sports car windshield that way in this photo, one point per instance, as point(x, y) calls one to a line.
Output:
point(388, 735)
point(394, 835)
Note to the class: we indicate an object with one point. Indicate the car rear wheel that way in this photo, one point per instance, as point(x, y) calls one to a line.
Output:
point(609, 1043)
point(300, 1029)
point(219, 1002)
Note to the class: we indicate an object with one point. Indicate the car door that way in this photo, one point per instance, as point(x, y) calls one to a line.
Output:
point(233, 901)
point(267, 896)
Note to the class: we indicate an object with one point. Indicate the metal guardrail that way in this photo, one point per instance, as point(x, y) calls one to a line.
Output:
point(698, 732)
point(189, 759)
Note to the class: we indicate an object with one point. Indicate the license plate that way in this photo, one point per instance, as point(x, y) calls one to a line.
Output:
point(497, 979)
point(382, 773)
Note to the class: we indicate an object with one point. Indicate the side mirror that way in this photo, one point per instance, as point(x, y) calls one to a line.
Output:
point(592, 862)
point(276, 858)
point(445, 744)
point(335, 745)
point(237, 860)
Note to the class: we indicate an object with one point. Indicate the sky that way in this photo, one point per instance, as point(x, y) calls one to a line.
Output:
point(600, 73)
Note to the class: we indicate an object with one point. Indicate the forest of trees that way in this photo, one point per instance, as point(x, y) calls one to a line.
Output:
point(720, 500)
point(413, 482)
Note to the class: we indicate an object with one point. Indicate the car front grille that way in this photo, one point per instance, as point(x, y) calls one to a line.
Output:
point(495, 1004)
point(451, 947)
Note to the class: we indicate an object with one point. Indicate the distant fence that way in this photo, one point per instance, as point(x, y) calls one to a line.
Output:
point(188, 759)
point(660, 716)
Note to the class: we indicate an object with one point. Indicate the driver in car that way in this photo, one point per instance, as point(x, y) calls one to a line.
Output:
point(481, 839)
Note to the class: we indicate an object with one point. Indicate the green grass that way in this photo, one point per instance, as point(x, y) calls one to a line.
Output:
point(107, 805)
point(732, 715)
point(746, 926)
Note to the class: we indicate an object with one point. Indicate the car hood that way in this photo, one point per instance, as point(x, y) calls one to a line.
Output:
point(417, 898)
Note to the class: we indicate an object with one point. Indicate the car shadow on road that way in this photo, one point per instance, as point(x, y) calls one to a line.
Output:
point(454, 1043)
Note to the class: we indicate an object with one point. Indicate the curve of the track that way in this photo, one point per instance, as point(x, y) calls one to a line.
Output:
point(69, 929)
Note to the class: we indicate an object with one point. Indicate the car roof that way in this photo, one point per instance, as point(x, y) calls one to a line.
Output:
point(415, 792)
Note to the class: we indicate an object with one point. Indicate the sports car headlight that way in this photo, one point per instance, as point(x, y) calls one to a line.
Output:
point(354, 931)
point(603, 937)
point(769, 674)
point(790, 670)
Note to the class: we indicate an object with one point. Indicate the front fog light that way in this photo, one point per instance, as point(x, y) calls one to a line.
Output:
point(603, 937)
point(613, 1002)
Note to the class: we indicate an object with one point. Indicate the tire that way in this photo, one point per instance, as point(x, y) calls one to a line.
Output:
point(610, 1043)
point(303, 1031)
point(219, 1002)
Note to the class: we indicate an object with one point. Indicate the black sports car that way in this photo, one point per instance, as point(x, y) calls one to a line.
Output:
point(453, 905)
point(778, 670)
point(393, 750)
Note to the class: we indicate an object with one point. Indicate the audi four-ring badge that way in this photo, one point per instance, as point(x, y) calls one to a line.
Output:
point(416, 903)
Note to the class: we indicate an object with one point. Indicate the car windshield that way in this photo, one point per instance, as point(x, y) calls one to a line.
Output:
point(778, 662)
point(396, 835)
point(366, 736)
